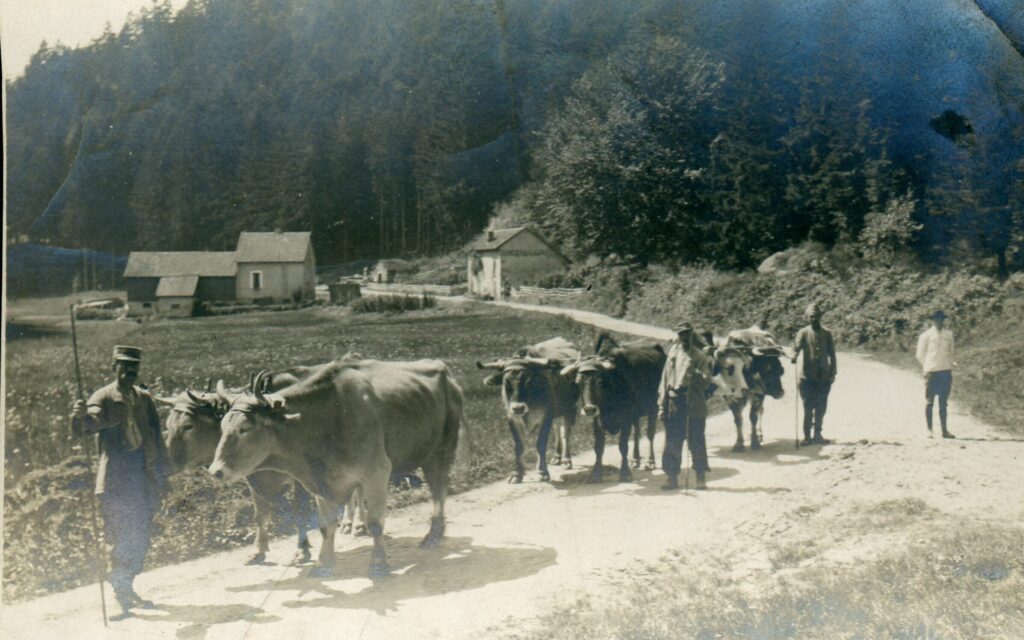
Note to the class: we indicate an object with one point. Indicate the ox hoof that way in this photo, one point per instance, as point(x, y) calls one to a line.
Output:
point(568, 465)
point(302, 556)
point(430, 542)
point(515, 478)
point(650, 466)
point(360, 531)
point(636, 464)
point(258, 558)
point(321, 571)
point(346, 528)
point(379, 570)
point(594, 477)
point(625, 476)
point(755, 445)
point(545, 476)
point(738, 447)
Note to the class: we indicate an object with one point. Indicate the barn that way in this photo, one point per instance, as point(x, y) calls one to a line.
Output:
point(275, 266)
point(517, 256)
point(390, 270)
point(171, 282)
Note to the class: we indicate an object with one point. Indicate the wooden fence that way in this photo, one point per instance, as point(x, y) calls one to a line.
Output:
point(539, 292)
point(415, 289)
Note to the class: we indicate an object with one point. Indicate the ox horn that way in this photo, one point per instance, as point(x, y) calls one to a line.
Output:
point(164, 401)
point(569, 369)
point(194, 398)
point(257, 387)
point(497, 364)
point(541, 362)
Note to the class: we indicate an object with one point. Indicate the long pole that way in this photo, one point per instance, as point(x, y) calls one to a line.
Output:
point(88, 457)
point(796, 409)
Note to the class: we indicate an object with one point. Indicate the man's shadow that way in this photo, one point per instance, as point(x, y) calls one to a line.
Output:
point(456, 565)
point(777, 452)
point(202, 617)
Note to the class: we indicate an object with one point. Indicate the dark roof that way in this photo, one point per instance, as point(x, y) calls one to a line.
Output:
point(274, 246)
point(494, 238)
point(156, 264)
point(177, 286)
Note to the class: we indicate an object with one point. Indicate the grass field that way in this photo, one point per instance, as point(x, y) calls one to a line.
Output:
point(48, 540)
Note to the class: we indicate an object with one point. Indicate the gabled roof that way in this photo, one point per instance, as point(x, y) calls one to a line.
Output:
point(274, 246)
point(156, 264)
point(494, 238)
point(394, 264)
point(177, 286)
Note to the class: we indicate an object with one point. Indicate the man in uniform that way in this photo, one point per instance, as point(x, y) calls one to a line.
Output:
point(133, 470)
point(816, 372)
point(935, 353)
point(682, 405)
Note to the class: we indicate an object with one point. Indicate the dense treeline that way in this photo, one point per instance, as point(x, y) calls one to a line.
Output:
point(667, 131)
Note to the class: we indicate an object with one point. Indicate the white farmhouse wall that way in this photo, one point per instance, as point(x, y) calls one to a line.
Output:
point(279, 280)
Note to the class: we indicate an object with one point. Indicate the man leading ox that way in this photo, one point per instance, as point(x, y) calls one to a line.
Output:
point(682, 405)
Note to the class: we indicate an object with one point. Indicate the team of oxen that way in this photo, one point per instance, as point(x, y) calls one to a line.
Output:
point(344, 430)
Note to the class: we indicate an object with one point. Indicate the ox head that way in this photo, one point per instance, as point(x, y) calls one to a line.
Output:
point(766, 367)
point(193, 428)
point(731, 367)
point(525, 383)
point(594, 376)
point(249, 429)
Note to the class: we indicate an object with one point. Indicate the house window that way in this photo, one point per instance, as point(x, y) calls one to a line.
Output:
point(175, 305)
point(147, 305)
point(256, 280)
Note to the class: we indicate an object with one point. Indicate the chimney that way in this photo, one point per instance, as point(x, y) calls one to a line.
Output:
point(490, 235)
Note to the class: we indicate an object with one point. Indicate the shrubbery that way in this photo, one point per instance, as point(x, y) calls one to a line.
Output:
point(392, 304)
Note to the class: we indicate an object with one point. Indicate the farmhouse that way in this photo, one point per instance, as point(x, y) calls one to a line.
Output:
point(171, 282)
point(277, 266)
point(274, 267)
point(517, 256)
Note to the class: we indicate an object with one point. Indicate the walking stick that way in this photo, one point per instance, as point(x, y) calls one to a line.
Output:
point(88, 457)
point(796, 410)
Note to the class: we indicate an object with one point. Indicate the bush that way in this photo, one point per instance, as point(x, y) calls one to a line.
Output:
point(392, 304)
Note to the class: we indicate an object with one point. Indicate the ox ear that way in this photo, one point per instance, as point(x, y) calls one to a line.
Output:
point(493, 380)
point(607, 365)
point(497, 364)
point(292, 417)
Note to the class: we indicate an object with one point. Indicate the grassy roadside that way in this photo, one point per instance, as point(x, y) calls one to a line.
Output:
point(941, 580)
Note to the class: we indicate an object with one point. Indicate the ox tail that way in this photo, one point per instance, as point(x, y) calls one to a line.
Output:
point(457, 435)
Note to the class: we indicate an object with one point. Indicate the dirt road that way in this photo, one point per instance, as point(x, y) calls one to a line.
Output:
point(515, 551)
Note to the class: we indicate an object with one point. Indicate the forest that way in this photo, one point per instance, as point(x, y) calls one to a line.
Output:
point(696, 133)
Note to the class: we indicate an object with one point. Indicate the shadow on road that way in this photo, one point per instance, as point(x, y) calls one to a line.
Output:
point(457, 565)
point(202, 617)
point(778, 452)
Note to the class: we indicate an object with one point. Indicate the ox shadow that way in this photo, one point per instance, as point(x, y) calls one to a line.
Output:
point(782, 453)
point(456, 565)
point(644, 483)
point(200, 618)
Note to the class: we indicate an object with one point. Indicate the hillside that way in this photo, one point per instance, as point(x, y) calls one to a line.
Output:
point(393, 128)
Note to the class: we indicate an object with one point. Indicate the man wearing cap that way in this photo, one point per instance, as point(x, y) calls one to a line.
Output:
point(935, 353)
point(816, 372)
point(132, 473)
point(682, 405)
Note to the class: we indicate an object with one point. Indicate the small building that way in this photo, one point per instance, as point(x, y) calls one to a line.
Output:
point(275, 266)
point(170, 282)
point(517, 256)
point(344, 292)
point(389, 271)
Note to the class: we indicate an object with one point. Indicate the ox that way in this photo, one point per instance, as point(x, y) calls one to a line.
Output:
point(747, 369)
point(345, 427)
point(619, 387)
point(534, 395)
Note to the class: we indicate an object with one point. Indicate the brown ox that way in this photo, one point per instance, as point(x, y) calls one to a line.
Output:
point(533, 395)
point(345, 428)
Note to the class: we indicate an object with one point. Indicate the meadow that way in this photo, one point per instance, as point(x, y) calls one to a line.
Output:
point(48, 540)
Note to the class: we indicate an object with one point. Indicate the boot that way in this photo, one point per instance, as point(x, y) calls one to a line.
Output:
point(139, 601)
point(818, 439)
point(702, 485)
point(671, 483)
point(947, 434)
point(125, 603)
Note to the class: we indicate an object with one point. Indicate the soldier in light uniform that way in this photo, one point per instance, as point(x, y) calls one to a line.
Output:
point(133, 470)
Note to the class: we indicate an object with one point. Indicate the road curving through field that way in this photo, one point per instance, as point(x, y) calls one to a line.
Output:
point(516, 551)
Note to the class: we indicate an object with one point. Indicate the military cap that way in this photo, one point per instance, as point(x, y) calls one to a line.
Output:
point(938, 315)
point(129, 354)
